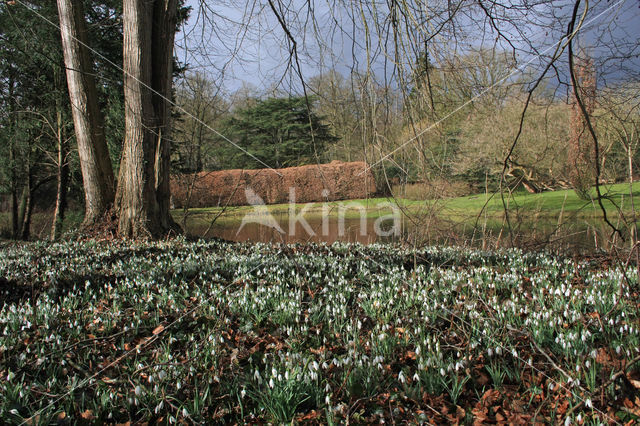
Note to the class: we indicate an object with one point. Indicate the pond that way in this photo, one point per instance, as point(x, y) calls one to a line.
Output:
point(573, 235)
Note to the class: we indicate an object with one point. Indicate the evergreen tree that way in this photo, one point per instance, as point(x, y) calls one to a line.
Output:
point(278, 132)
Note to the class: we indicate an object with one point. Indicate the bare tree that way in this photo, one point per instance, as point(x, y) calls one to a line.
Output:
point(97, 173)
point(143, 195)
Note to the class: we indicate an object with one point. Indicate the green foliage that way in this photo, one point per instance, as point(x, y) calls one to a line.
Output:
point(278, 132)
point(34, 104)
point(357, 329)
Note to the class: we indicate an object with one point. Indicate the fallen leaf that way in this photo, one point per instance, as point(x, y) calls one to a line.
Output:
point(318, 351)
point(312, 415)
point(481, 378)
point(87, 415)
point(159, 329)
point(480, 414)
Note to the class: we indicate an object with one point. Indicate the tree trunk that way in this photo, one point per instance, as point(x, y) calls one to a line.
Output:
point(14, 214)
point(97, 173)
point(62, 179)
point(28, 214)
point(142, 199)
point(26, 207)
point(15, 224)
point(22, 211)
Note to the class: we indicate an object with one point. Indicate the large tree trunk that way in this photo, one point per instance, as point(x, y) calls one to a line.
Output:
point(97, 173)
point(142, 199)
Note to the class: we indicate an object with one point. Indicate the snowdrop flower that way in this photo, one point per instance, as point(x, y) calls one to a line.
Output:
point(588, 403)
point(271, 384)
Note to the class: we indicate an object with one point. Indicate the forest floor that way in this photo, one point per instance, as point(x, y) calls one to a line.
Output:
point(207, 331)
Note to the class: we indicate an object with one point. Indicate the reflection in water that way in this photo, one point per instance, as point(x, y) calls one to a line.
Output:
point(353, 230)
point(578, 236)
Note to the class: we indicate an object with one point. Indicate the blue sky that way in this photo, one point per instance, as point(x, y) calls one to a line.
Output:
point(241, 44)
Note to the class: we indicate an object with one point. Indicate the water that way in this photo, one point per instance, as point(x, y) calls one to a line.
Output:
point(572, 236)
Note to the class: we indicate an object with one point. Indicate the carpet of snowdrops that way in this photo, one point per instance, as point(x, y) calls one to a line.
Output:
point(215, 332)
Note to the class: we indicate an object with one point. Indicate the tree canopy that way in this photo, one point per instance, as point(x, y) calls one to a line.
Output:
point(275, 132)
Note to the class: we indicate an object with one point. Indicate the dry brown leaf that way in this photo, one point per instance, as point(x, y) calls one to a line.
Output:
point(159, 329)
point(87, 415)
point(312, 415)
point(480, 415)
point(318, 351)
point(482, 379)
point(490, 397)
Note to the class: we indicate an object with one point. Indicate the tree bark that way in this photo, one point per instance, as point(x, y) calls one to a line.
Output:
point(15, 224)
point(142, 199)
point(62, 179)
point(97, 173)
point(26, 207)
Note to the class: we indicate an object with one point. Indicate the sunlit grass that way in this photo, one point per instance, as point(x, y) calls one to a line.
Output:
point(550, 204)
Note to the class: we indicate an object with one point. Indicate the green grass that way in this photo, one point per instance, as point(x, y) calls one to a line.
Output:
point(350, 209)
point(545, 206)
point(548, 205)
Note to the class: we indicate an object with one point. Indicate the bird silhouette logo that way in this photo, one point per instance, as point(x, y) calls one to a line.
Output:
point(259, 214)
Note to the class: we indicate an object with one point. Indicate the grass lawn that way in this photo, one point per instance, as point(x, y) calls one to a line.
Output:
point(220, 333)
point(548, 204)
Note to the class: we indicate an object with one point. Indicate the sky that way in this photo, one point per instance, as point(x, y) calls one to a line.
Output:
point(241, 45)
